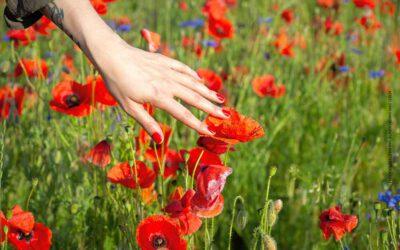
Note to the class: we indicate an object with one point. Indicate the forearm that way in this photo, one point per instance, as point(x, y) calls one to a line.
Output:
point(83, 25)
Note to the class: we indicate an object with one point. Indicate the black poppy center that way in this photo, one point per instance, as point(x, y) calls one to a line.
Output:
point(220, 30)
point(72, 101)
point(24, 236)
point(159, 242)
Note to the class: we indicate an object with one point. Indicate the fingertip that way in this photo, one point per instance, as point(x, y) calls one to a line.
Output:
point(157, 137)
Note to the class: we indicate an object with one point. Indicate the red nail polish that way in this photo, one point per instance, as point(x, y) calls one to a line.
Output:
point(157, 138)
point(212, 131)
point(221, 97)
point(226, 112)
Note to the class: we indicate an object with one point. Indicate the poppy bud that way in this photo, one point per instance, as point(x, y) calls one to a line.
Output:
point(74, 208)
point(269, 242)
point(377, 206)
point(241, 219)
point(5, 67)
point(278, 204)
point(272, 172)
point(35, 181)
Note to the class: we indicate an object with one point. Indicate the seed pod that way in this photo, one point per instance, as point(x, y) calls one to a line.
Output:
point(272, 215)
point(278, 204)
point(272, 171)
point(269, 243)
point(241, 219)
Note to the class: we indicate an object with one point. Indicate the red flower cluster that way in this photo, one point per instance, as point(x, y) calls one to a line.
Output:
point(12, 100)
point(23, 232)
point(218, 25)
point(333, 222)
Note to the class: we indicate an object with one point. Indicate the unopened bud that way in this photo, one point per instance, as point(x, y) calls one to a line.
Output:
point(35, 181)
point(269, 242)
point(278, 204)
point(272, 172)
point(241, 219)
point(272, 215)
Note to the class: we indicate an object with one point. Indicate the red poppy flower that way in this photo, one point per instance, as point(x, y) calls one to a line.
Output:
point(154, 152)
point(183, 6)
point(32, 68)
point(101, 93)
point(238, 128)
point(335, 27)
point(100, 6)
point(397, 54)
point(370, 23)
point(326, 3)
point(159, 232)
point(212, 79)
point(333, 222)
point(44, 26)
point(180, 210)
point(220, 28)
point(214, 145)
point(172, 162)
point(215, 9)
point(71, 98)
point(284, 44)
point(23, 37)
point(11, 99)
point(364, 3)
point(388, 7)
point(288, 15)
point(198, 158)
point(129, 176)
point(25, 233)
point(152, 38)
point(265, 86)
point(100, 155)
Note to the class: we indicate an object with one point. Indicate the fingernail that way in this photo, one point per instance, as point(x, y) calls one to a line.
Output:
point(226, 112)
point(221, 97)
point(157, 138)
point(211, 130)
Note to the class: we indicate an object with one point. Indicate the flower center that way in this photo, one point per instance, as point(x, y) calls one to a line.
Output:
point(72, 101)
point(23, 236)
point(159, 242)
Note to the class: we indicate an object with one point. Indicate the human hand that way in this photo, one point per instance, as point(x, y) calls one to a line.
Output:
point(135, 77)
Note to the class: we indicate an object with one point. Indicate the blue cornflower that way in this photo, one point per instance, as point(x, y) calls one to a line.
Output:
point(6, 38)
point(356, 51)
point(374, 74)
point(195, 23)
point(124, 28)
point(344, 69)
point(210, 43)
point(267, 56)
point(391, 200)
point(265, 20)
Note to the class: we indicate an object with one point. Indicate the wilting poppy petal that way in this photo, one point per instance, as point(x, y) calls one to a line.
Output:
point(159, 232)
point(100, 155)
point(152, 38)
point(211, 181)
point(205, 209)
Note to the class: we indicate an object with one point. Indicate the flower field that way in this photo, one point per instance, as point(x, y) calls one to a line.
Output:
point(308, 158)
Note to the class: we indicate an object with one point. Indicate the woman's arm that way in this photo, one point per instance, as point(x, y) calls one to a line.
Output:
point(132, 75)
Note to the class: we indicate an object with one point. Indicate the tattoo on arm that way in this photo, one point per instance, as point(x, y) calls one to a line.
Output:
point(56, 14)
